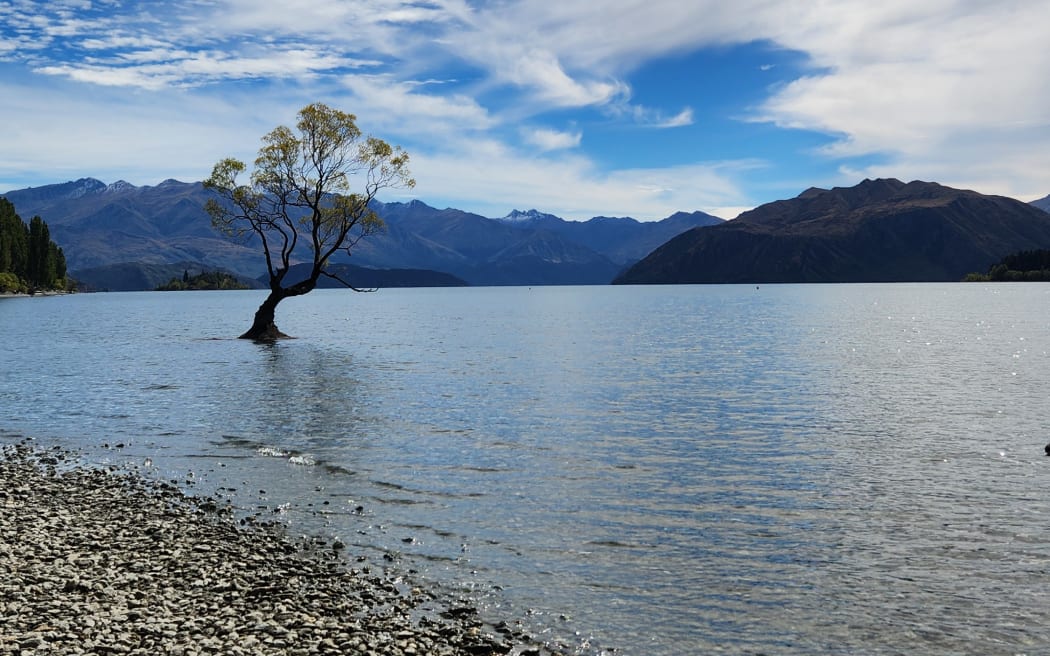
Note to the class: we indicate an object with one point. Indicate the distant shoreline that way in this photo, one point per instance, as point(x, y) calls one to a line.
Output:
point(50, 292)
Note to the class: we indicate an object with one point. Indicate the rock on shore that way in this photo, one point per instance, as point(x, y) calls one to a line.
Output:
point(94, 561)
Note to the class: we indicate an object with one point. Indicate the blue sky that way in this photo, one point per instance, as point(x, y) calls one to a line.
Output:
point(574, 107)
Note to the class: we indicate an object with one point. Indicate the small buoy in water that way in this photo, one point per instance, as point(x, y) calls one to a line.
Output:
point(1048, 449)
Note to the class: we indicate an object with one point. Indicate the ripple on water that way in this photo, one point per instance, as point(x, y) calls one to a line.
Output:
point(674, 470)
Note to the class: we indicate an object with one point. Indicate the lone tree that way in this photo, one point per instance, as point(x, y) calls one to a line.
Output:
point(299, 199)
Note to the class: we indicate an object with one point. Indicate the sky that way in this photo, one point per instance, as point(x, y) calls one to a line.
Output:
point(578, 108)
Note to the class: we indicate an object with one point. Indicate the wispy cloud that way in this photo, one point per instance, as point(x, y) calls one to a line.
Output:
point(405, 108)
point(541, 72)
point(548, 140)
point(948, 90)
point(571, 186)
point(157, 69)
point(921, 84)
point(143, 138)
point(657, 119)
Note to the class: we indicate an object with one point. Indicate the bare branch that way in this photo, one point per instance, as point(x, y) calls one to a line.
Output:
point(329, 274)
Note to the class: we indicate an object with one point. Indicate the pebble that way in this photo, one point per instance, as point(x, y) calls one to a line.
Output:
point(110, 562)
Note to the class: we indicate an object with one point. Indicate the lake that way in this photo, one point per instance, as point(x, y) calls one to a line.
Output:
point(783, 469)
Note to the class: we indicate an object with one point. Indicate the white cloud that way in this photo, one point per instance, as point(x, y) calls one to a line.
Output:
point(656, 119)
point(548, 140)
point(389, 27)
point(498, 179)
point(924, 84)
point(112, 41)
point(541, 72)
point(68, 27)
point(914, 83)
point(141, 138)
point(109, 76)
point(613, 36)
point(946, 90)
point(389, 104)
point(681, 119)
point(158, 68)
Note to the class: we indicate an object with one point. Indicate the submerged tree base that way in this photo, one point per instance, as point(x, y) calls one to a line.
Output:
point(267, 334)
point(264, 328)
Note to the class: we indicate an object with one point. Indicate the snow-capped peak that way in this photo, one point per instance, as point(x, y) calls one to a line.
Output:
point(517, 216)
point(85, 186)
point(120, 185)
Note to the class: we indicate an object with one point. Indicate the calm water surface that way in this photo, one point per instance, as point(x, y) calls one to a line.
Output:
point(852, 469)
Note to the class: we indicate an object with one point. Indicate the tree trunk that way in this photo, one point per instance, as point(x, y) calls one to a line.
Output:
point(263, 328)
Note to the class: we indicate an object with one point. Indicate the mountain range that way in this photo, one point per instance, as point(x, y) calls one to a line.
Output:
point(140, 233)
point(120, 236)
point(877, 231)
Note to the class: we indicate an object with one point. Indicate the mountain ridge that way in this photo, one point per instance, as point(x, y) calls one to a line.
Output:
point(101, 225)
point(877, 231)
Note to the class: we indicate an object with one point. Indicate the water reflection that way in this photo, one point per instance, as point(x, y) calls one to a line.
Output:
point(796, 469)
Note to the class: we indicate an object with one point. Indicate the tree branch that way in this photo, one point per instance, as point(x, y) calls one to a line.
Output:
point(333, 276)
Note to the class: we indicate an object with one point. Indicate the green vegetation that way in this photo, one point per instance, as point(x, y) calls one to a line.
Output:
point(203, 280)
point(29, 260)
point(301, 195)
point(1025, 266)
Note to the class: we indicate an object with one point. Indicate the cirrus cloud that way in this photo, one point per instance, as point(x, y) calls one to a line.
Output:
point(946, 90)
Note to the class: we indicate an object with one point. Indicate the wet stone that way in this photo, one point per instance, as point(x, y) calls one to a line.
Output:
point(99, 561)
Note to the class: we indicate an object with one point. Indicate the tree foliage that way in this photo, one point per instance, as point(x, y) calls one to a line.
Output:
point(1023, 266)
point(308, 196)
point(29, 260)
point(201, 281)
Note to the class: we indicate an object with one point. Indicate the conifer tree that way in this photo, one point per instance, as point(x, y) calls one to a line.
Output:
point(28, 257)
point(14, 251)
point(39, 264)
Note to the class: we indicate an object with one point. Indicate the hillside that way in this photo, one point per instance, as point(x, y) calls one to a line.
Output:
point(139, 276)
point(1042, 203)
point(99, 225)
point(109, 229)
point(878, 231)
point(539, 249)
point(621, 239)
point(362, 278)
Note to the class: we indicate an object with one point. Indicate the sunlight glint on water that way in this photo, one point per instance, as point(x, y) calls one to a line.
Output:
point(662, 470)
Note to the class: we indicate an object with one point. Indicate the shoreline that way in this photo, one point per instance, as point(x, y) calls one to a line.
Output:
point(96, 560)
point(47, 293)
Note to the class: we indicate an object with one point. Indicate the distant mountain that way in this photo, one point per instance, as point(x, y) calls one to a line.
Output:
point(878, 231)
point(484, 251)
point(99, 225)
point(105, 229)
point(1042, 203)
point(363, 278)
point(623, 240)
point(531, 216)
point(139, 276)
point(523, 248)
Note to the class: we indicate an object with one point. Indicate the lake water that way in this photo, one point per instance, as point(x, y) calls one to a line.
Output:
point(791, 469)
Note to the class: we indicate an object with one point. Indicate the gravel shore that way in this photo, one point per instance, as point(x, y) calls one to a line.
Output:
point(96, 561)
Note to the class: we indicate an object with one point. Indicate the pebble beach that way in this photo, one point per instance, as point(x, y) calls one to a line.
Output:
point(106, 561)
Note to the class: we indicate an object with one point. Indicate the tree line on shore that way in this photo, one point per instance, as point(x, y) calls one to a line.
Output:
point(29, 260)
point(201, 281)
point(1030, 266)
